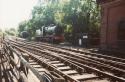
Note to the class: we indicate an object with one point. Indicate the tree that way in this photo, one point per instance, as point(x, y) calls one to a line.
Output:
point(11, 32)
point(22, 26)
point(1, 32)
point(76, 16)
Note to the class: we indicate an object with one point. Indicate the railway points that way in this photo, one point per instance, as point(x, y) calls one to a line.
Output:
point(55, 63)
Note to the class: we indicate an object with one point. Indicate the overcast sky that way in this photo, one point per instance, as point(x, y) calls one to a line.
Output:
point(14, 11)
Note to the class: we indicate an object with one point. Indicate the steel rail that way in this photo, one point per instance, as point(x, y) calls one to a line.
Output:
point(25, 63)
point(111, 75)
point(100, 58)
point(88, 57)
point(42, 60)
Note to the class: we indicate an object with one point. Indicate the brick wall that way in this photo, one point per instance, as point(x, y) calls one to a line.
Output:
point(112, 13)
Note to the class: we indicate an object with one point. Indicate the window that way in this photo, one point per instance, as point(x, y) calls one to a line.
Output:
point(121, 30)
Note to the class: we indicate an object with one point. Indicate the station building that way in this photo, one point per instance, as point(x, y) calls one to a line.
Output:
point(112, 24)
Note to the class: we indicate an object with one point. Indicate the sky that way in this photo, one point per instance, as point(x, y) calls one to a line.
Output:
point(12, 12)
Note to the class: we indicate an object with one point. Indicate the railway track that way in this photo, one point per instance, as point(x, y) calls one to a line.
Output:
point(106, 59)
point(36, 67)
point(83, 51)
point(94, 64)
point(62, 66)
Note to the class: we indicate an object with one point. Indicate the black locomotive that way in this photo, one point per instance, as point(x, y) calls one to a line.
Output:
point(52, 33)
point(24, 34)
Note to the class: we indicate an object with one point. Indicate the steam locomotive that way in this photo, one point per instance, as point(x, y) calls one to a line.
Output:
point(52, 33)
point(24, 34)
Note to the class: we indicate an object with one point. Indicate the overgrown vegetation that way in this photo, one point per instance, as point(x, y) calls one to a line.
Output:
point(79, 14)
point(1, 33)
point(10, 32)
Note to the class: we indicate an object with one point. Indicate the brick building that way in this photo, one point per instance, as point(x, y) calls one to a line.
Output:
point(112, 24)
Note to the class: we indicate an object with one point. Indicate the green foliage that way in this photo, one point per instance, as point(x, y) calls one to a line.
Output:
point(82, 15)
point(11, 32)
point(22, 26)
point(1, 33)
